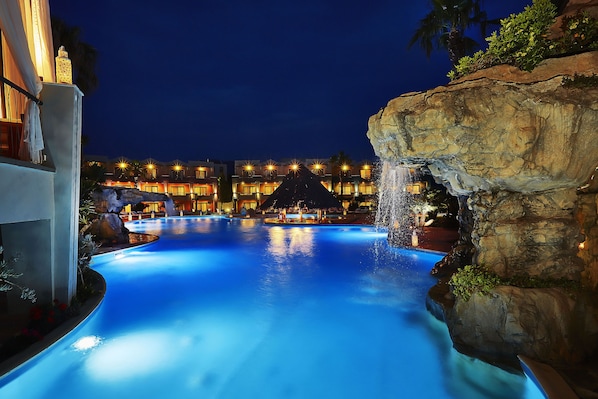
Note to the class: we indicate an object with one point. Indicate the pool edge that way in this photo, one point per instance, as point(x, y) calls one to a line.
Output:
point(13, 366)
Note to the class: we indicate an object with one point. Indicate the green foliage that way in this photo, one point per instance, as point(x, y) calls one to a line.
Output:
point(87, 248)
point(581, 81)
point(476, 279)
point(466, 65)
point(472, 279)
point(7, 277)
point(523, 38)
point(579, 33)
point(535, 282)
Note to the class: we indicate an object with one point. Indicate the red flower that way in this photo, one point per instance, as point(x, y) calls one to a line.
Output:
point(35, 313)
point(62, 306)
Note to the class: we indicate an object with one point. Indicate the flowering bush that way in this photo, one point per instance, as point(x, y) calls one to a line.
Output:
point(43, 319)
point(523, 40)
point(579, 33)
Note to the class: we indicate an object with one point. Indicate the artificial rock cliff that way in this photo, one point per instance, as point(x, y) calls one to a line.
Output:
point(109, 202)
point(522, 149)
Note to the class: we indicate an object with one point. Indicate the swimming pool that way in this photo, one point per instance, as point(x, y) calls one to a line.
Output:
point(232, 308)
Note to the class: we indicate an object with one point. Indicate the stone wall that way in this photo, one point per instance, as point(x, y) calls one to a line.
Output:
point(587, 214)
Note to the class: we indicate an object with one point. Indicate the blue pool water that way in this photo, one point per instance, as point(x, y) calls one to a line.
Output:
point(229, 308)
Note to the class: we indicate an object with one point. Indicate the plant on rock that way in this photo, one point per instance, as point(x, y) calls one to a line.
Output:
point(524, 40)
point(472, 279)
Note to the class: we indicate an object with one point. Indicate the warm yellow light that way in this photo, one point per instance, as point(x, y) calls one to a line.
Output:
point(64, 69)
point(178, 167)
point(317, 166)
point(270, 167)
point(345, 167)
point(122, 165)
point(294, 166)
point(150, 166)
point(248, 167)
point(582, 245)
point(366, 167)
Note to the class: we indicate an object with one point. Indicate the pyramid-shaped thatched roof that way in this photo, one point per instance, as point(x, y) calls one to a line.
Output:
point(301, 188)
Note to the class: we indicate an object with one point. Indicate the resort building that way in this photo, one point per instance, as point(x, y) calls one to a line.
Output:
point(193, 185)
point(254, 181)
point(197, 186)
point(40, 136)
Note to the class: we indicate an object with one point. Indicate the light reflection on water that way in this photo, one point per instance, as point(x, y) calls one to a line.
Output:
point(222, 308)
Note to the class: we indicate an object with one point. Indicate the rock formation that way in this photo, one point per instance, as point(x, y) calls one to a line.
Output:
point(518, 146)
point(110, 201)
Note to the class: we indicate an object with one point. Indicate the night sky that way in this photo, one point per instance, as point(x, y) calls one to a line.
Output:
point(245, 79)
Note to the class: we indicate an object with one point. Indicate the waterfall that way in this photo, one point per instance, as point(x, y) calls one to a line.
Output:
point(169, 207)
point(394, 202)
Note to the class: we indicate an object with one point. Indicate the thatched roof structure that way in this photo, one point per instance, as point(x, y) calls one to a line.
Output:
point(301, 188)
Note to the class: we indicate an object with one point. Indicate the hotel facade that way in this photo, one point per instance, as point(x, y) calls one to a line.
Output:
point(197, 186)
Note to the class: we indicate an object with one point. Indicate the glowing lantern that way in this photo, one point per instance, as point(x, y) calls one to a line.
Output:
point(64, 69)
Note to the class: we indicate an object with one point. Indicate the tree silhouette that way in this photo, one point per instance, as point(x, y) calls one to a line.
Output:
point(83, 56)
point(444, 27)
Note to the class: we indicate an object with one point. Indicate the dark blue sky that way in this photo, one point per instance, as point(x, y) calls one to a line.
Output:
point(242, 79)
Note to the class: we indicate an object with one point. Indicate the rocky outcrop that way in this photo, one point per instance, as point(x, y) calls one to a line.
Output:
point(518, 150)
point(110, 201)
point(498, 129)
point(547, 324)
point(114, 199)
point(519, 146)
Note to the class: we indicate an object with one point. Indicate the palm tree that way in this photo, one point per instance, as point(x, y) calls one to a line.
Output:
point(444, 27)
point(83, 56)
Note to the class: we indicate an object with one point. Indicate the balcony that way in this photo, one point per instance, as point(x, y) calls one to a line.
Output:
point(10, 138)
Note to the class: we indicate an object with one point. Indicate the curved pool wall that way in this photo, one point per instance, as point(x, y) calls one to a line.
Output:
point(233, 308)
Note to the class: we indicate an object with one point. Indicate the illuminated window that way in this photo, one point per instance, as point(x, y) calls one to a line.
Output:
point(177, 190)
point(153, 207)
point(151, 173)
point(268, 189)
point(249, 189)
point(414, 189)
point(200, 190)
point(201, 173)
point(367, 189)
point(151, 189)
point(365, 173)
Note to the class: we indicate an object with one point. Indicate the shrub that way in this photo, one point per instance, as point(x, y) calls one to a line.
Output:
point(477, 279)
point(580, 81)
point(472, 279)
point(579, 33)
point(523, 38)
